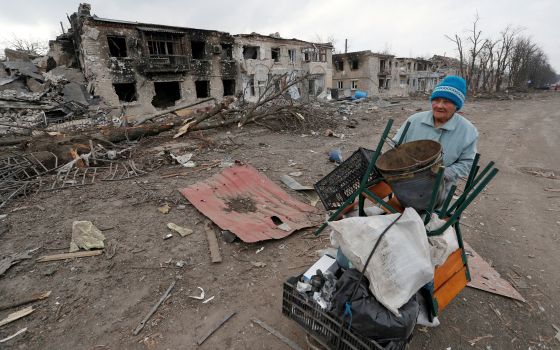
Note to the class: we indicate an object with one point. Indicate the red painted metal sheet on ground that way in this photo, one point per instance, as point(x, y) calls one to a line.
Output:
point(484, 277)
point(244, 201)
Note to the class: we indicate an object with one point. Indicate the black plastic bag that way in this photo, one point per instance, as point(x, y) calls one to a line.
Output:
point(369, 317)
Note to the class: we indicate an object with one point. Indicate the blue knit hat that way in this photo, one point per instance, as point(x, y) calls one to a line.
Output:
point(453, 88)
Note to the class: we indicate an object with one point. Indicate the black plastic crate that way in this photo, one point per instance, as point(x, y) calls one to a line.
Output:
point(322, 326)
point(335, 188)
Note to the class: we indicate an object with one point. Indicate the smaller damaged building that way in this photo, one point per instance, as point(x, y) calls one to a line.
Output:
point(261, 58)
point(143, 67)
point(384, 75)
point(362, 70)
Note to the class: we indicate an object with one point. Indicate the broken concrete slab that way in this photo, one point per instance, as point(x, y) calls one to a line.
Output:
point(23, 68)
point(16, 55)
point(35, 86)
point(85, 235)
point(74, 92)
point(64, 73)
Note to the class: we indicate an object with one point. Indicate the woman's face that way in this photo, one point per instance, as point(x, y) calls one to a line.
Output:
point(442, 109)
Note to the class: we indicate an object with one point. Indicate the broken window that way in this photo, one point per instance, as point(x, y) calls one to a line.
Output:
point(262, 87)
point(164, 44)
point(275, 54)
point(126, 91)
point(292, 55)
point(117, 46)
point(251, 52)
point(312, 87)
point(339, 65)
point(202, 88)
point(381, 66)
point(354, 64)
point(408, 65)
point(251, 85)
point(381, 83)
point(229, 87)
point(227, 51)
point(340, 84)
point(198, 49)
point(354, 84)
point(166, 93)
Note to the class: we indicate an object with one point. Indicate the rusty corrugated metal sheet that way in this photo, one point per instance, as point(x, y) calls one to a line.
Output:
point(244, 201)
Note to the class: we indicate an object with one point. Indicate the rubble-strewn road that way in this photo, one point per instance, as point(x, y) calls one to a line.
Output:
point(97, 302)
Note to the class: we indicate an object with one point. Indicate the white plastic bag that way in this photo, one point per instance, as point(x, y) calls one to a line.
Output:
point(443, 245)
point(400, 266)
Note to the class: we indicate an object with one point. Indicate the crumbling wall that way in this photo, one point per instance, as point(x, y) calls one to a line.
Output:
point(277, 56)
point(365, 76)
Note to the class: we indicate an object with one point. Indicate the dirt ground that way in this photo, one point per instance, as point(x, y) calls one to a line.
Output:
point(97, 302)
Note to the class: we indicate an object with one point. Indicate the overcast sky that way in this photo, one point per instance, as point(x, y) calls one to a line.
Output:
point(405, 28)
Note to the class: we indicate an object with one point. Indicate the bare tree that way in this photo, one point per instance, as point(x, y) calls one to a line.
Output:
point(503, 53)
point(459, 43)
point(31, 46)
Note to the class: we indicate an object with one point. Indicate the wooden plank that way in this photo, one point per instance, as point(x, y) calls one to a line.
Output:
point(449, 268)
point(27, 300)
point(213, 244)
point(65, 256)
point(450, 289)
point(16, 315)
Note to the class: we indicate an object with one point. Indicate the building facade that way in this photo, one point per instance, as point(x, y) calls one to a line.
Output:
point(138, 68)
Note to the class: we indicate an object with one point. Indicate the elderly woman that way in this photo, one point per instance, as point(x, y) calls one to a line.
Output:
point(443, 124)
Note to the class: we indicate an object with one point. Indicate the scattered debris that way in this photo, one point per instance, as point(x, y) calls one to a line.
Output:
point(86, 236)
point(208, 300)
point(293, 184)
point(16, 315)
point(541, 172)
point(23, 330)
point(477, 339)
point(296, 174)
point(213, 244)
point(167, 236)
point(557, 336)
point(183, 231)
point(259, 250)
point(258, 264)
point(277, 334)
point(11, 260)
point(64, 256)
point(228, 236)
point(484, 277)
point(215, 328)
point(184, 160)
point(198, 297)
point(335, 156)
point(154, 309)
point(164, 209)
point(27, 300)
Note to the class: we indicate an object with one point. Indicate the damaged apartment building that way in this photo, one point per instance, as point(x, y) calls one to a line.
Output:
point(137, 68)
point(262, 58)
point(382, 74)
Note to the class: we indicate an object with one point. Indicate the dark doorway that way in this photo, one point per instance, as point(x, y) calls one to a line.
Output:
point(198, 51)
point(117, 46)
point(166, 94)
point(229, 87)
point(126, 91)
point(227, 51)
point(202, 88)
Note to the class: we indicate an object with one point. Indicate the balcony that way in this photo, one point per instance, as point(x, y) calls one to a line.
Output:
point(164, 64)
point(384, 71)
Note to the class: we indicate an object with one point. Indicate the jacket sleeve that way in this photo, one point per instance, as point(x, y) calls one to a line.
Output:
point(462, 166)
